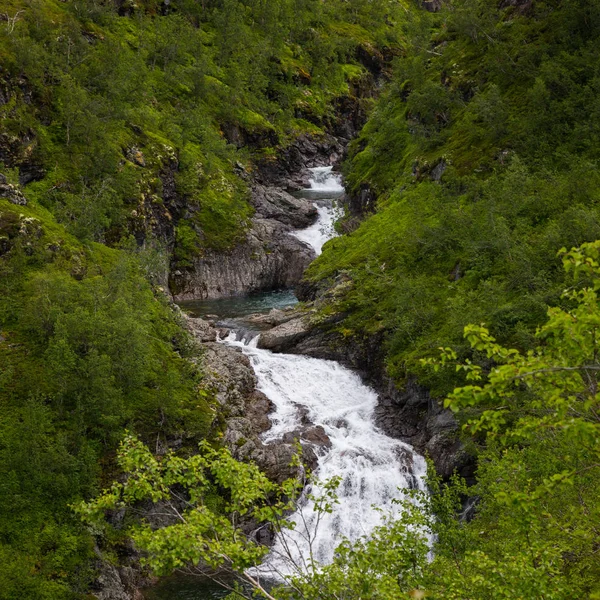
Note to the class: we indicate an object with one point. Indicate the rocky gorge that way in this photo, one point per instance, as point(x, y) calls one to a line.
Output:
point(269, 258)
point(273, 258)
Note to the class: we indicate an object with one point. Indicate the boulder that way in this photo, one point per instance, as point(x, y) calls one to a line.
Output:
point(274, 317)
point(285, 335)
point(275, 203)
point(11, 192)
point(229, 374)
point(202, 330)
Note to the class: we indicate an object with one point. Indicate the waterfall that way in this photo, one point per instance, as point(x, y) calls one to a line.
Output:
point(373, 467)
point(325, 186)
point(325, 180)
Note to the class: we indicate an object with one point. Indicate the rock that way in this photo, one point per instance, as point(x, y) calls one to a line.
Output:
point(290, 170)
point(275, 203)
point(313, 434)
point(11, 192)
point(522, 6)
point(285, 335)
point(269, 259)
point(135, 155)
point(431, 5)
point(246, 410)
point(257, 137)
point(408, 413)
point(275, 316)
point(438, 171)
point(110, 585)
point(229, 374)
point(119, 583)
point(202, 330)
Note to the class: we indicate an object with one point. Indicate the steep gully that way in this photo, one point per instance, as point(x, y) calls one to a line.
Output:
point(320, 402)
point(298, 381)
point(373, 467)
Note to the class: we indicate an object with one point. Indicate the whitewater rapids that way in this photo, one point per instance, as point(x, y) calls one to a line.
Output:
point(325, 187)
point(374, 468)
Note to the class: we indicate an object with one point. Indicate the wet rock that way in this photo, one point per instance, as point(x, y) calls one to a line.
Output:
point(313, 434)
point(229, 374)
point(246, 410)
point(408, 413)
point(290, 170)
point(275, 316)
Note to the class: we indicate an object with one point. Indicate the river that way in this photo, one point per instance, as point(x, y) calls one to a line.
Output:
point(374, 468)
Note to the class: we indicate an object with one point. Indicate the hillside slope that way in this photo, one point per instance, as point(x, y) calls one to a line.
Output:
point(127, 130)
point(482, 155)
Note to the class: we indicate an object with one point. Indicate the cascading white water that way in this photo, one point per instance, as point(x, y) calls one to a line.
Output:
point(325, 180)
point(327, 186)
point(322, 229)
point(373, 467)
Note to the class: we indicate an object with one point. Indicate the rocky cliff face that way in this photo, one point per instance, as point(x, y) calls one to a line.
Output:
point(269, 258)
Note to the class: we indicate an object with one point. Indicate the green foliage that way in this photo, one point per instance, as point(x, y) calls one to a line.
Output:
point(114, 118)
point(482, 155)
point(107, 101)
point(201, 534)
point(539, 473)
point(85, 350)
point(534, 528)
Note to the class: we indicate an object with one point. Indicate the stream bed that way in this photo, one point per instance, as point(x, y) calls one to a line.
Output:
point(374, 469)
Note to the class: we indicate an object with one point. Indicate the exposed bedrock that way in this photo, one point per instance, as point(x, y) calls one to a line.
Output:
point(269, 259)
point(289, 170)
point(246, 410)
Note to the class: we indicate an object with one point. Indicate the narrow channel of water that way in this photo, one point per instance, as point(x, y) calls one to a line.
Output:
point(374, 468)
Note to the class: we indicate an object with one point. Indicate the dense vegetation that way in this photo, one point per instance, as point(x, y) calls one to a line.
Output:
point(534, 534)
point(86, 348)
point(483, 155)
point(116, 118)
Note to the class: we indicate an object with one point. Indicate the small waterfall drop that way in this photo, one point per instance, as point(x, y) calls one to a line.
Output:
point(325, 187)
point(325, 180)
point(373, 467)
